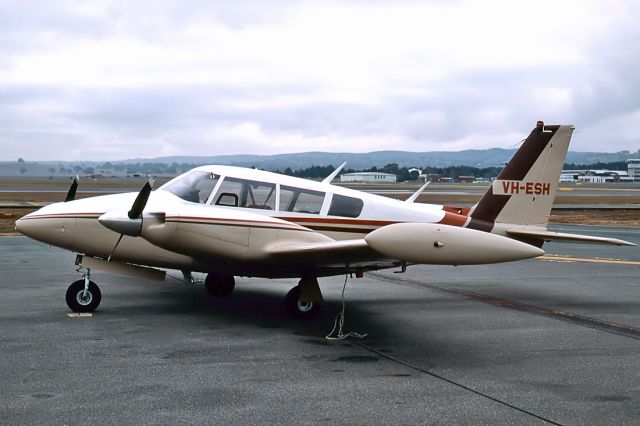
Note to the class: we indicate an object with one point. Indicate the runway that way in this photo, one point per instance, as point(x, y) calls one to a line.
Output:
point(553, 340)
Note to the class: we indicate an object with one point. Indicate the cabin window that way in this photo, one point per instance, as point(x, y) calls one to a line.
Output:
point(246, 193)
point(195, 187)
point(300, 200)
point(345, 206)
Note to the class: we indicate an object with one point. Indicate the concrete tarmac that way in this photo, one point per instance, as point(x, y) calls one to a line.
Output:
point(554, 340)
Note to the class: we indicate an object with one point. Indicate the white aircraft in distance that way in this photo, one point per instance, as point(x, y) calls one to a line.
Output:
point(230, 221)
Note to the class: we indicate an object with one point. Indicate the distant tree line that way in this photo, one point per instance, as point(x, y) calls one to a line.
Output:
point(614, 165)
point(320, 172)
point(313, 172)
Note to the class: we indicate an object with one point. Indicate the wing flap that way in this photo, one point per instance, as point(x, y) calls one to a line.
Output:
point(564, 237)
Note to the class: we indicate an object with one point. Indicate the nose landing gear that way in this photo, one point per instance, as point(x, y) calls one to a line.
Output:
point(83, 295)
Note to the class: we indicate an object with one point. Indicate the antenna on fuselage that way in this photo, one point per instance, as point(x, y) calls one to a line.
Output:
point(333, 174)
point(415, 195)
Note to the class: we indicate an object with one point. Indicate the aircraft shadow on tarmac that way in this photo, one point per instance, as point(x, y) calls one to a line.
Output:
point(248, 305)
point(264, 309)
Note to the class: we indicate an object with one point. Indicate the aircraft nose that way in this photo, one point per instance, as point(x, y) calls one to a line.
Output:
point(22, 225)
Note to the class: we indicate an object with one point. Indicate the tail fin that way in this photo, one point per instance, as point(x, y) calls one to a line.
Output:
point(524, 192)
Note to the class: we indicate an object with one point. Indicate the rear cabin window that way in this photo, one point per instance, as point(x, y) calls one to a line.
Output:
point(195, 187)
point(345, 206)
point(300, 200)
point(249, 194)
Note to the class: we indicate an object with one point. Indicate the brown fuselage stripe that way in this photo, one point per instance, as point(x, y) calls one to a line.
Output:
point(245, 224)
point(341, 229)
point(464, 211)
point(306, 225)
point(490, 205)
point(235, 222)
point(64, 216)
point(376, 223)
point(220, 219)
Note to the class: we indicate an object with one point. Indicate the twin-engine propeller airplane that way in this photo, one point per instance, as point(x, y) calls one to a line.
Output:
point(229, 221)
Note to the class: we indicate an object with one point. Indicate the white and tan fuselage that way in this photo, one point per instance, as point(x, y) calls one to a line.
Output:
point(229, 238)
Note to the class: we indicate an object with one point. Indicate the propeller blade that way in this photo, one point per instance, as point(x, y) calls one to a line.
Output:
point(71, 194)
point(114, 248)
point(140, 202)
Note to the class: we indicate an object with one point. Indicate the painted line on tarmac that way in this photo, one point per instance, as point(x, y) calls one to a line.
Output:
point(559, 258)
point(79, 314)
point(589, 322)
point(452, 382)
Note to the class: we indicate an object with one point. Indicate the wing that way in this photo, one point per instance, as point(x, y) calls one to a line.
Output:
point(426, 243)
point(345, 251)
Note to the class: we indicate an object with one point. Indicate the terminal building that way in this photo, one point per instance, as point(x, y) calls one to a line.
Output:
point(369, 177)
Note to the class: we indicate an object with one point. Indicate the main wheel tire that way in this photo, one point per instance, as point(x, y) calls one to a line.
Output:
point(80, 302)
point(219, 285)
point(300, 309)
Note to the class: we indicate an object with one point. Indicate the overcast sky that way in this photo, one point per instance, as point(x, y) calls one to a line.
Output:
point(109, 80)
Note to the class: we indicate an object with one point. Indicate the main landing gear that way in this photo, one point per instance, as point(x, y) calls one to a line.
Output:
point(219, 285)
point(83, 295)
point(304, 300)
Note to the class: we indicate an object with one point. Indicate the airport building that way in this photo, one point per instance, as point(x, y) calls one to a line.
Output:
point(369, 177)
point(633, 168)
point(594, 176)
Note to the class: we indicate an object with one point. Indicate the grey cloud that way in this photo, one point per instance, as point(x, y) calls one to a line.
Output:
point(28, 16)
point(42, 121)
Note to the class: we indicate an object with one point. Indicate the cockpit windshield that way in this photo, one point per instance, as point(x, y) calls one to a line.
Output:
point(195, 187)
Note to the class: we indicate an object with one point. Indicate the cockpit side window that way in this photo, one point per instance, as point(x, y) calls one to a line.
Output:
point(246, 193)
point(345, 206)
point(195, 187)
point(300, 200)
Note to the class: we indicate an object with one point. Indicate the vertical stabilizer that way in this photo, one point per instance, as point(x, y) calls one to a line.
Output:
point(524, 192)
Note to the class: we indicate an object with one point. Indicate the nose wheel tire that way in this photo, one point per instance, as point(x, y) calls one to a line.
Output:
point(298, 308)
point(80, 301)
point(219, 285)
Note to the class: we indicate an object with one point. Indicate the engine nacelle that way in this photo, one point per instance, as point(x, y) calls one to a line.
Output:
point(431, 243)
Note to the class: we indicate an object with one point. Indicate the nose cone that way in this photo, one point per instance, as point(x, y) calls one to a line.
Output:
point(22, 225)
point(49, 226)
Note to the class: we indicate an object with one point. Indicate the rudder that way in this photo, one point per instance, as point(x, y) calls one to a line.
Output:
point(524, 192)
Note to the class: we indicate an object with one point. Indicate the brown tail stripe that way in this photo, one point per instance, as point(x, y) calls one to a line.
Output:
point(490, 205)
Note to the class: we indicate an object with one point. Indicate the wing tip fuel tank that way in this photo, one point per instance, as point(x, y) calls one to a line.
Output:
point(438, 244)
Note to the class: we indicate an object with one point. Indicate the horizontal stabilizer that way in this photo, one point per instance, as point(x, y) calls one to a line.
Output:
point(566, 238)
